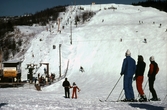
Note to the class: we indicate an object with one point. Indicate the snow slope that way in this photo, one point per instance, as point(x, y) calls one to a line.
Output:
point(97, 47)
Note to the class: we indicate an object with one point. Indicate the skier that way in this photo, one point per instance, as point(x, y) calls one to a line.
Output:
point(66, 85)
point(74, 91)
point(81, 69)
point(128, 70)
point(153, 70)
point(140, 68)
point(45, 71)
point(145, 40)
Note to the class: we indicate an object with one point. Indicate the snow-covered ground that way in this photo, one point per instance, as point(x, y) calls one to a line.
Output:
point(97, 47)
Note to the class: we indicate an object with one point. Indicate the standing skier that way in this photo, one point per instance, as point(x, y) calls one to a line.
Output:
point(66, 85)
point(140, 68)
point(74, 91)
point(153, 70)
point(128, 70)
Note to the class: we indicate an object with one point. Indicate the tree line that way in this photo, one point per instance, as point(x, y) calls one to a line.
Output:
point(8, 43)
point(158, 4)
point(42, 18)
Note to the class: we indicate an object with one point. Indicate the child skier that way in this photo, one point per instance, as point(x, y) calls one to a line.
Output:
point(74, 92)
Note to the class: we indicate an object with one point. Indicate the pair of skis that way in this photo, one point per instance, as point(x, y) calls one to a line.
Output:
point(129, 101)
point(121, 93)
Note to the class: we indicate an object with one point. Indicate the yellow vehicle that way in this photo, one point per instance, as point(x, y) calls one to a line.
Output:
point(10, 72)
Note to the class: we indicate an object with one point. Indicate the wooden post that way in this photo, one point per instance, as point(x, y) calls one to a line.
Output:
point(58, 24)
point(1, 58)
point(71, 33)
point(59, 60)
point(48, 70)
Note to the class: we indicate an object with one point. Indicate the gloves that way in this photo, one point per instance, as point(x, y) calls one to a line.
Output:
point(121, 74)
point(151, 75)
point(134, 78)
point(148, 75)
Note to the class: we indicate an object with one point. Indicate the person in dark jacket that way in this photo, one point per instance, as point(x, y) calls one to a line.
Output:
point(139, 77)
point(66, 85)
point(153, 70)
point(128, 70)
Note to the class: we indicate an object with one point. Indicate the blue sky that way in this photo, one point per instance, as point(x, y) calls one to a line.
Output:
point(20, 7)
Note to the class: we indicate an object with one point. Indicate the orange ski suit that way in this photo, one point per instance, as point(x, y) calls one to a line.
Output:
point(74, 92)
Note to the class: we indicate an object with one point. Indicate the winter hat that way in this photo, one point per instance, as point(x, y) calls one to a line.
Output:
point(66, 79)
point(152, 58)
point(74, 83)
point(127, 53)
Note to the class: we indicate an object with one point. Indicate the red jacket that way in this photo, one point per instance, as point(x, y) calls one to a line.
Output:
point(153, 68)
point(75, 88)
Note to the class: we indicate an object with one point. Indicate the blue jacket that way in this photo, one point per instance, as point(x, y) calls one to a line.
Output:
point(128, 67)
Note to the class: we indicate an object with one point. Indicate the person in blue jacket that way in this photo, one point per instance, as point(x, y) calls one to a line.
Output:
point(128, 70)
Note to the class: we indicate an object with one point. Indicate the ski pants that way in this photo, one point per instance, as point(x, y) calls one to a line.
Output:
point(74, 94)
point(129, 94)
point(139, 81)
point(151, 86)
point(67, 92)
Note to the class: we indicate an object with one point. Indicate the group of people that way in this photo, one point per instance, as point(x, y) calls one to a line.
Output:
point(129, 68)
point(67, 86)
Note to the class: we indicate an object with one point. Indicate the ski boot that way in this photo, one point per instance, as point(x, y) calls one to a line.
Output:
point(143, 98)
point(155, 99)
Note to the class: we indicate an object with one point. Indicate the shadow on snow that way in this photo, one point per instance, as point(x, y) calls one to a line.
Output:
point(147, 106)
point(2, 104)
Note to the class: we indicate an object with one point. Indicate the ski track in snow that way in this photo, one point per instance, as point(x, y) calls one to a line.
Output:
point(27, 99)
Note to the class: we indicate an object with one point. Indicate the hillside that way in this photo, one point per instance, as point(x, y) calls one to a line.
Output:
point(99, 45)
point(105, 57)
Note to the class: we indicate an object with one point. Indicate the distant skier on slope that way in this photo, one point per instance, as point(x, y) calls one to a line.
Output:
point(74, 91)
point(140, 68)
point(153, 70)
point(66, 85)
point(81, 69)
point(45, 71)
point(128, 70)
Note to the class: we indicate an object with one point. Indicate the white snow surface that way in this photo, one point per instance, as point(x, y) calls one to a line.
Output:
point(97, 47)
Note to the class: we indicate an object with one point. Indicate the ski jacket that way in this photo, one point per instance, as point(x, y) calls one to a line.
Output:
point(66, 84)
point(140, 68)
point(153, 70)
point(75, 88)
point(128, 67)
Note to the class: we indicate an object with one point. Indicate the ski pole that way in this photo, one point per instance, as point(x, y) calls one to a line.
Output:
point(165, 97)
point(120, 95)
point(145, 85)
point(124, 93)
point(113, 88)
point(149, 92)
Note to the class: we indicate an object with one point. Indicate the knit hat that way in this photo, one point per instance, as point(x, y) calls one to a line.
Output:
point(152, 58)
point(74, 83)
point(127, 53)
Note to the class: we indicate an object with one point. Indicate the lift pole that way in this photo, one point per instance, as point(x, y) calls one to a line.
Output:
point(71, 32)
point(1, 60)
point(59, 60)
point(1, 54)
